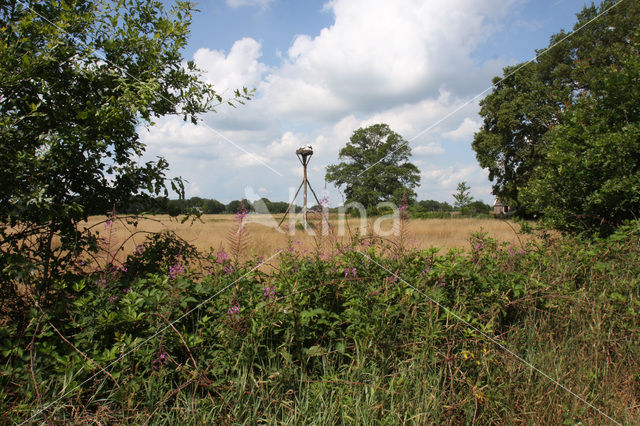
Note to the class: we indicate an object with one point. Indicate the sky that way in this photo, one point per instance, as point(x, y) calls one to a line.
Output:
point(322, 69)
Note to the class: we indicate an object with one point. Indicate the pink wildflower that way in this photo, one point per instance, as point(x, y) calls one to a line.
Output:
point(269, 292)
point(160, 361)
point(351, 271)
point(233, 310)
point(176, 270)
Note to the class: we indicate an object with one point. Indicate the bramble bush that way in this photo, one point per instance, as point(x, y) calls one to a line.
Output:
point(361, 333)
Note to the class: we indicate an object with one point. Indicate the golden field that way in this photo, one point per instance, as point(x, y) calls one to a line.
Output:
point(214, 231)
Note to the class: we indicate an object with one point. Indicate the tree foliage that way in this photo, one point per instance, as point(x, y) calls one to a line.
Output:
point(462, 196)
point(77, 79)
point(591, 175)
point(377, 167)
point(559, 135)
point(434, 206)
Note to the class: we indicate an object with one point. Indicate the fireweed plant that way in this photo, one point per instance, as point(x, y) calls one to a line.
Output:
point(339, 336)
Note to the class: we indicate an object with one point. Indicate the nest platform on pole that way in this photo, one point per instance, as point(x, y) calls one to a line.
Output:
point(304, 154)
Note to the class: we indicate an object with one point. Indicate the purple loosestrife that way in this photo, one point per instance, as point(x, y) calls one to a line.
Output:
point(269, 292)
point(221, 256)
point(514, 252)
point(391, 279)
point(176, 270)
point(426, 270)
point(160, 361)
point(233, 311)
point(241, 214)
point(403, 207)
point(351, 271)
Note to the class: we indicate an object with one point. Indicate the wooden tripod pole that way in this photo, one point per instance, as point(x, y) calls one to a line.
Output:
point(290, 204)
point(304, 155)
point(319, 203)
point(304, 205)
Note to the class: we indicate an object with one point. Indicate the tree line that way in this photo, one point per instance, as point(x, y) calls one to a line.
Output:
point(165, 205)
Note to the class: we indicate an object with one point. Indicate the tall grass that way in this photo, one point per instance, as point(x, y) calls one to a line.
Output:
point(213, 231)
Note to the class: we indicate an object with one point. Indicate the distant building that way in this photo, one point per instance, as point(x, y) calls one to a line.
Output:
point(501, 210)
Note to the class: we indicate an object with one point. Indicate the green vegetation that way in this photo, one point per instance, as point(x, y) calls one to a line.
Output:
point(377, 168)
point(560, 135)
point(369, 333)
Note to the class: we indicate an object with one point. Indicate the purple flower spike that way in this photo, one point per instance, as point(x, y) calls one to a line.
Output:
point(269, 292)
point(235, 309)
point(176, 270)
point(351, 271)
point(160, 361)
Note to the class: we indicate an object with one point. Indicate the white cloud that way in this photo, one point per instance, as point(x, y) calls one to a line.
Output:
point(174, 132)
point(286, 146)
point(428, 150)
point(449, 176)
point(248, 159)
point(240, 68)
point(465, 131)
point(379, 53)
point(193, 190)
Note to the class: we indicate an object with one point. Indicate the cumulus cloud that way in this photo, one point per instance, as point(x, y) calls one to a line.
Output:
point(465, 131)
point(239, 68)
point(428, 150)
point(286, 145)
point(378, 54)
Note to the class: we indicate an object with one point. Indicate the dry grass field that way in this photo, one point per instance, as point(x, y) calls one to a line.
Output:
point(213, 231)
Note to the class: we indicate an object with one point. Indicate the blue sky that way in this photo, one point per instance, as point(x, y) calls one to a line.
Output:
point(322, 69)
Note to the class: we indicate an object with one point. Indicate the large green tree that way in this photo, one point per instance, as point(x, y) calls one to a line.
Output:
point(517, 115)
point(529, 139)
point(77, 80)
point(590, 178)
point(377, 167)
